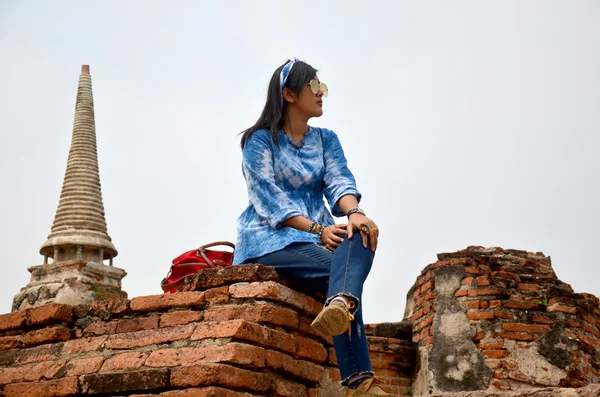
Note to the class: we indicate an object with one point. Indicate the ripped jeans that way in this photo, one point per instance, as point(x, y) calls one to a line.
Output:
point(342, 272)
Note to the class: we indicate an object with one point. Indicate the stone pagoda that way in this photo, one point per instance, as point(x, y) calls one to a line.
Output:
point(78, 243)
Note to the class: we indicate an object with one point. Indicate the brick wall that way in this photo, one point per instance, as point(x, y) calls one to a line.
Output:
point(528, 327)
point(233, 332)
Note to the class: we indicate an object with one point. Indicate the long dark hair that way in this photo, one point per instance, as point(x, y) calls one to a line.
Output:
point(273, 114)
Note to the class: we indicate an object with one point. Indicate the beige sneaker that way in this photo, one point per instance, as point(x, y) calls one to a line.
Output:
point(368, 388)
point(334, 319)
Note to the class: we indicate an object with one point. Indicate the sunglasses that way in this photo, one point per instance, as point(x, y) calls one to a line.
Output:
point(315, 86)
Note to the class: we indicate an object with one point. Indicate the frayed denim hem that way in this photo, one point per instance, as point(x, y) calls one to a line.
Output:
point(356, 301)
point(345, 381)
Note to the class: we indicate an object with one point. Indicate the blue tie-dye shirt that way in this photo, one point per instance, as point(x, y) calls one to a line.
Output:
point(287, 181)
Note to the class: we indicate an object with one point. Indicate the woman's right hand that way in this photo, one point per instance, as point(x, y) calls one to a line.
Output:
point(331, 236)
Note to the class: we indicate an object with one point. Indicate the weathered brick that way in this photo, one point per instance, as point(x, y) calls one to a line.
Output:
point(51, 313)
point(495, 353)
point(519, 327)
point(210, 374)
point(99, 327)
point(210, 391)
point(504, 314)
point(39, 353)
point(234, 353)
point(241, 329)
point(46, 335)
point(56, 388)
point(480, 315)
point(474, 304)
point(124, 361)
point(149, 337)
point(516, 336)
point(495, 304)
point(483, 281)
point(111, 383)
point(84, 366)
point(529, 287)
point(277, 292)
point(542, 319)
point(13, 320)
point(210, 278)
point(181, 317)
point(507, 275)
point(31, 372)
point(491, 345)
point(557, 307)
point(486, 291)
point(166, 301)
point(10, 342)
point(217, 295)
point(520, 304)
point(84, 345)
point(265, 313)
point(104, 308)
point(311, 350)
point(136, 324)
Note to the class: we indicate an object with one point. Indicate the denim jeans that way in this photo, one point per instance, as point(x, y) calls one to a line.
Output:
point(342, 272)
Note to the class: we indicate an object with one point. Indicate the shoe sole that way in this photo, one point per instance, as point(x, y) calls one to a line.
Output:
point(332, 321)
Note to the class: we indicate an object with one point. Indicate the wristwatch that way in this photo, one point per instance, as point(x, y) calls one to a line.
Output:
point(355, 210)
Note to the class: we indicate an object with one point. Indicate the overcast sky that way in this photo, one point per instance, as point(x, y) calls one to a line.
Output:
point(464, 122)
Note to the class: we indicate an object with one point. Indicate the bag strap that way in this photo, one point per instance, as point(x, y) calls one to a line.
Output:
point(200, 251)
point(169, 286)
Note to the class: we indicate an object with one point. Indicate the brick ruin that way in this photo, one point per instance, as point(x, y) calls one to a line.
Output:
point(481, 322)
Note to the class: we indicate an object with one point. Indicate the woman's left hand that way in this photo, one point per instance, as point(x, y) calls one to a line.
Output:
point(368, 229)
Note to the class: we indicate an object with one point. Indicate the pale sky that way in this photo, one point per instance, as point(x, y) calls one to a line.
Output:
point(464, 122)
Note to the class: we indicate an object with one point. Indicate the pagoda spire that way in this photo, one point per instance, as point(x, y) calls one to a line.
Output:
point(79, 230)
point(78, 242)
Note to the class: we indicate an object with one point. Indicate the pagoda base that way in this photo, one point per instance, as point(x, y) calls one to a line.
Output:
point(73, 282)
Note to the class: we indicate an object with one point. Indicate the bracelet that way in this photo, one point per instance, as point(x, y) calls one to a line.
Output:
point(321, 231)
point(355, 210)
point(312, 226)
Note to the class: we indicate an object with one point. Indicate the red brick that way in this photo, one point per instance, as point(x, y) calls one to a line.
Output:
point(217, 295)
point(10, 342)
point(182, 317)
point(591, 329)
point(149, 337)
point(468, 280)
point(210, 278)
point(124, 361)
point(519, 327)
point(136, 324)
point(529, 288)
point(84, 366)
point(46, 335)
point(207, 374)
point(417, 315)
point(304, 370)
point(504, 314)
point(167, 301)
point(118, 383)
point(334, 374)
point(491, 353)
point(557, 307)
point(480, 315)
point(479, 336)
point(520, 304)
point(59, 388)
point(507, 275)
point(491, 345)
point(39, 353)
point(423, 323)
point(516, 336)
point(50, 314)
point(483, 281)
point(265, 313)
point(99, 327)
point(542, 319)
point(493, 363)
point(311, 350)
point(271, 290)
point(426, 287)
point(84, 345)
point(484, 304)
point(461, 292)
point(233, 353)
point(31, 372)
point(241, 329)
point(495, 304)
point(429, 296)
point(486, 291)
point(13, 320)
point(210, 391)
point(331, 357)
point(101, 308)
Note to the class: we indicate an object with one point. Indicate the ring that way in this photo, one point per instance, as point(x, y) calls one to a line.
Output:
point(373, 229)
point(365, 228)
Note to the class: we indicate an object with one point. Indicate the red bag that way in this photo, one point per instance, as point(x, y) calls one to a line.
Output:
point(193, 261)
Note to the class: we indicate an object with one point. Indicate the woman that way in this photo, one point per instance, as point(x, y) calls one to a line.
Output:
point(289, 166)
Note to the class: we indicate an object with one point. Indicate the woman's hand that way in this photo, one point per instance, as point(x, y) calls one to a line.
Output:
point(331, 236)
point(368, 229)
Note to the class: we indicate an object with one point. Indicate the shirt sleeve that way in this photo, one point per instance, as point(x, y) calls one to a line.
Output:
point(269, 201)
point(338, 179)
